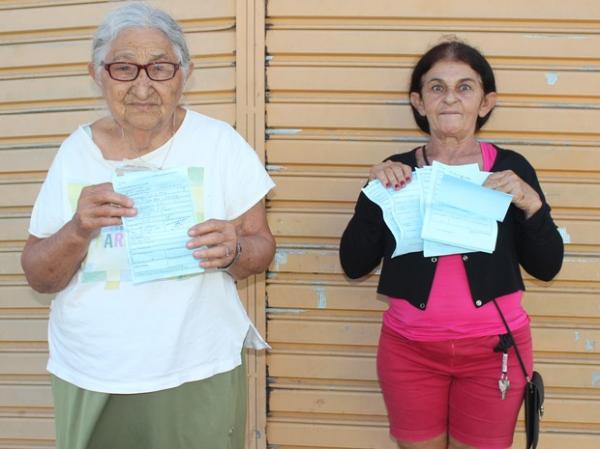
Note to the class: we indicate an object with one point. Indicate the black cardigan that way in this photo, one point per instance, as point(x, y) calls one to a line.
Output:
point(535, 244)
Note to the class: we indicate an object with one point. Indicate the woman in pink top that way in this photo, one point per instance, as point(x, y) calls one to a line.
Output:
point(439, 360)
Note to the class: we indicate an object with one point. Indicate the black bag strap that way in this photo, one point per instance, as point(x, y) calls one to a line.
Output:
point(514, 343)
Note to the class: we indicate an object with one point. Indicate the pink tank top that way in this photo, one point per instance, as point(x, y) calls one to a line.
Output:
point(450, 312)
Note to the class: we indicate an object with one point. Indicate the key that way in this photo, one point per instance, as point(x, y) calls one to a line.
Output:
point(503, 386)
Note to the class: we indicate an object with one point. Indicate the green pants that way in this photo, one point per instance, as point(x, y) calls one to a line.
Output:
point(206, 414)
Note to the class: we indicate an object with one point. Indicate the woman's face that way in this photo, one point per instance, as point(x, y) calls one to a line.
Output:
point(452, 98)
point(142, 104)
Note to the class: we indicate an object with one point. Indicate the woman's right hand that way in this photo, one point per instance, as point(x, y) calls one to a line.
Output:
point(391, 174)
point(99, 206)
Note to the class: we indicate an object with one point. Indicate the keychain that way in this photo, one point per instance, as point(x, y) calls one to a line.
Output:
point(504, 383)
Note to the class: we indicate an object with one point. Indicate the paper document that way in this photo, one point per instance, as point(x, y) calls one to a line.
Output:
point(406, 211)
point(467, 196)
point(443, 210)
point(456, 227)
point(156, 237)
point(464, 214)
point(426, 179)
point(382, 197)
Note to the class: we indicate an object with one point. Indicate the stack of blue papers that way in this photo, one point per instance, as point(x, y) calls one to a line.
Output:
point(443, 210)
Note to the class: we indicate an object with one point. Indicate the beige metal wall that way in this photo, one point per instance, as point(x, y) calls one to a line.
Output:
point(45, 93)
point(337, 74)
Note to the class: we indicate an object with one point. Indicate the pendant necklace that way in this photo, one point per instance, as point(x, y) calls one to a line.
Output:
point(141, 164)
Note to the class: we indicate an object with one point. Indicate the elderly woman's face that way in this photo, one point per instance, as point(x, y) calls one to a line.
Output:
point(142, 104)
point(452, 98)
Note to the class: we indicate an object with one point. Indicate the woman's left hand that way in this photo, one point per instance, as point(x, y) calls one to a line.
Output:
point(524, 197)
point(214, 242)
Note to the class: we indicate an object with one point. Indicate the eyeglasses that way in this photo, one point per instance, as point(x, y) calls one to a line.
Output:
point(128, 71)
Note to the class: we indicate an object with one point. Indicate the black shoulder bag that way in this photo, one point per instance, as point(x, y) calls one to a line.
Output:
point(534, 394)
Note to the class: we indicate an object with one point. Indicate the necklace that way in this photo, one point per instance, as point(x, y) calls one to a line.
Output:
point(423, 150)
point(139, 163)
point(142, 164)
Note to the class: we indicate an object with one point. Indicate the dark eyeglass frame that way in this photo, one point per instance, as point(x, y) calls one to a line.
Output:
point(140, 67)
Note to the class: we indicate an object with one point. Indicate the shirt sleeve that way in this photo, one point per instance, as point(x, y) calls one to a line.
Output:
point(48, 214)
point(245, 180)
point(362, 243)
point(539, 244)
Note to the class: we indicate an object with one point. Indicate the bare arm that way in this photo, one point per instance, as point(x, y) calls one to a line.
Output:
point(220, 237)
point(50, 263)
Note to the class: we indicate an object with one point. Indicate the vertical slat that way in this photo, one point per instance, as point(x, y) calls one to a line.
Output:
point(250, 124)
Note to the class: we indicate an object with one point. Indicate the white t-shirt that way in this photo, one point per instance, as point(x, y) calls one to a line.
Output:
point(107, 334)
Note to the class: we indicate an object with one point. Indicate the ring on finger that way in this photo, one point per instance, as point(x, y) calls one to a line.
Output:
point(227, 252)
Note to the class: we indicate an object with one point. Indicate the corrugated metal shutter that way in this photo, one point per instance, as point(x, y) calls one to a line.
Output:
point(337, 76)
point(45, 92)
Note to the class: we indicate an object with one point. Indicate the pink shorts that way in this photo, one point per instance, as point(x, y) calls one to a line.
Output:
point(431, 388)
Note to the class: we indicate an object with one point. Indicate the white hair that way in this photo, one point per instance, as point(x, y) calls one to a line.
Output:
point(138, 15)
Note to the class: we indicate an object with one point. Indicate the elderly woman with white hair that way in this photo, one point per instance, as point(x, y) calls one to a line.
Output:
point(152, 365)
